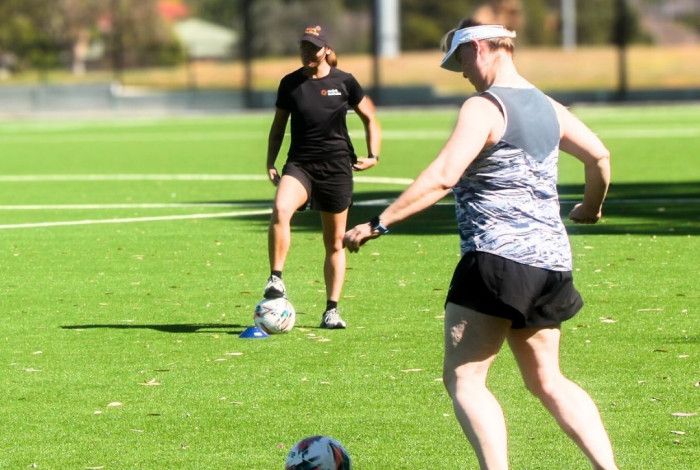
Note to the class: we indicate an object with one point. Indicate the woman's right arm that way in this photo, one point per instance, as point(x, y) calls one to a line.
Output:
point(274, 142)
point(578, 140)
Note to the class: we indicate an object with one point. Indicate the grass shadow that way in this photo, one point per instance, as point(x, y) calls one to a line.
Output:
point(177, 328)
point(654, 208)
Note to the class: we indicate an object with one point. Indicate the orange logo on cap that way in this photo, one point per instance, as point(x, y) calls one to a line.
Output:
point(313, 30)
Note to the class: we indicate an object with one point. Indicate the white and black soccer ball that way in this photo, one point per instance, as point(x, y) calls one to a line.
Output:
point(318, 453)
point(274, 315)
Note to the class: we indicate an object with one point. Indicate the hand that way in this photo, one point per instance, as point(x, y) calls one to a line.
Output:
point(273, 175)
point(364, 163)
point(581, 215)
point(358, 236)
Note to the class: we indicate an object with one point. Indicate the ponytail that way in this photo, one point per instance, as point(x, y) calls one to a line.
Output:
point(331, 57)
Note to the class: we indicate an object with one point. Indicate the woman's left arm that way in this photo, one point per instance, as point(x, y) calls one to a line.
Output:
point(366, 110)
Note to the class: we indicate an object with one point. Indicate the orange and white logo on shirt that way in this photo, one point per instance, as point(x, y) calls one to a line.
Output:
point(331, 92)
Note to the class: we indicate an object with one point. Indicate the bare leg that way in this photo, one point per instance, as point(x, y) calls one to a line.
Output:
point(472, 341)
point(334, 264)
point(537, 353)
point(289, 197)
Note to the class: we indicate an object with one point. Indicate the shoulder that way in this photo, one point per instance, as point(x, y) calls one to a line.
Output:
point(296, 76)
point(345, 77)
point(565, 118)
point(559, 108)
point(481, 106)
point(480, 119)
point(340, 73)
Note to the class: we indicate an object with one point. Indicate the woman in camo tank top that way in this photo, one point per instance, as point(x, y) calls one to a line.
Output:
point(513, 282)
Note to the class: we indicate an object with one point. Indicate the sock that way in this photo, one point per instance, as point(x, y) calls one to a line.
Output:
point(276, 273)
point(330, 304)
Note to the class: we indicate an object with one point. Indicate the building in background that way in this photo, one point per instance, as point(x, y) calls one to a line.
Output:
point(203, 40)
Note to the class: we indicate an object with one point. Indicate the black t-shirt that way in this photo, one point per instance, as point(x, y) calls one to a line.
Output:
point(318, 108)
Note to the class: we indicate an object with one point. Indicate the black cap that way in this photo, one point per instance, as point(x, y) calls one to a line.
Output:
point(315, 35)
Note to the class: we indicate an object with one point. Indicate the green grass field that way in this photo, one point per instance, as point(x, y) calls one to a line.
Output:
point(134, 250)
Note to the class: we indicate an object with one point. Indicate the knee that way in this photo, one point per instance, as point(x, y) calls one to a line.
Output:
point(281, 214)
point(334, 246)
point(462, 383)
point(544, 386)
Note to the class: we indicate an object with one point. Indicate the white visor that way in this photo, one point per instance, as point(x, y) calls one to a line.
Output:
point(472, 33)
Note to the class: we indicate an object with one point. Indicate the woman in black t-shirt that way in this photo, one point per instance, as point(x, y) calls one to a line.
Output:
point(320, 161)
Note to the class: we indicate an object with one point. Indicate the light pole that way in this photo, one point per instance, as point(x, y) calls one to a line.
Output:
point(621, 32)
point(568, 26)
point(376, 38)
point(247, 53)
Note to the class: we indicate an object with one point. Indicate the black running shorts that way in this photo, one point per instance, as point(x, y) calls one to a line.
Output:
point(528, 296)
point(328, 183)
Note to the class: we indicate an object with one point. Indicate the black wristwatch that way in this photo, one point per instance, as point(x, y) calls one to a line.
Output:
point(377, 226)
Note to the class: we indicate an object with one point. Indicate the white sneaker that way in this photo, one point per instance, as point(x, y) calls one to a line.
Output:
point(274, 288)
point(331, 320)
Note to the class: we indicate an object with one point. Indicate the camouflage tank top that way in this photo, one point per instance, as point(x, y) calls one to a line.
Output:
point(506, 201)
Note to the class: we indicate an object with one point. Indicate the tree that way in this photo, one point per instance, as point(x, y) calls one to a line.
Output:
point(540, 23)
point(596, 23)
point(424, 23)
point(45, 34)
point(224, 12)
point(28, 33)
point(277, 24)
point(138, 36)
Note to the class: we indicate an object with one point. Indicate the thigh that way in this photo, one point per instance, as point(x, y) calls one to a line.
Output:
point(472, 339)
point(291, 195)
point(536, 351)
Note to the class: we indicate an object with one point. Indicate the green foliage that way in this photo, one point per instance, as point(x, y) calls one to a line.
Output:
point(42, 34)
point(224, 12)
point(538, 24)
point(140, 37)
point(424, 23)
point(598, 23)
point(119, 340)
point(29, 31)
point(277, 24)
point(692, 21)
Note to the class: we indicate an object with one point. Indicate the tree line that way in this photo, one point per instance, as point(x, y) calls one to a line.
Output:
point(46, 34)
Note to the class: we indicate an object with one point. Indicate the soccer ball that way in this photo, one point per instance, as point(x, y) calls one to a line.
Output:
point(274, 315)
point(318, 453)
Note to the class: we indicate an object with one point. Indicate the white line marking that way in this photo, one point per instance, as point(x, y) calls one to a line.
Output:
point(175, 177)
point(383, 180)
point(425, 134)
point(637, 133)
point(146, 205)
point(128, 220)
point(132, 137)
point(129, 177)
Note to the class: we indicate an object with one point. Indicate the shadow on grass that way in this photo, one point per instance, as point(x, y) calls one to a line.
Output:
point(233, 329)
point(655, 208)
